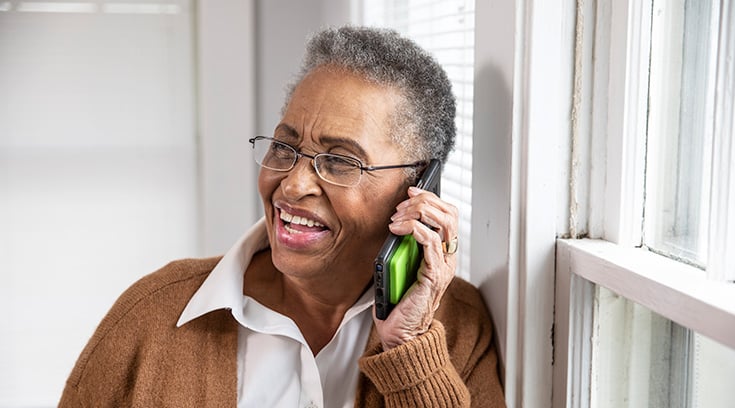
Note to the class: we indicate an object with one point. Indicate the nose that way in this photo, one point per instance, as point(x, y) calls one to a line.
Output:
point(302, 180)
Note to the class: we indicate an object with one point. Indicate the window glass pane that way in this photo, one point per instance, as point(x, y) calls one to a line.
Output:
point(679, 128)
point(641, 359)
point(712, 374)
point(445, 29)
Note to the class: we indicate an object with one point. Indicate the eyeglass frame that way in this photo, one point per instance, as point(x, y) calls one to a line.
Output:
point(362, 167)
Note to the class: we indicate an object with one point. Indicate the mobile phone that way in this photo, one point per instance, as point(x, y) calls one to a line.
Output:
point(399, 259)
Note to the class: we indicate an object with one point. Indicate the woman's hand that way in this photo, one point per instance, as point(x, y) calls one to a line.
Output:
point(431, 221)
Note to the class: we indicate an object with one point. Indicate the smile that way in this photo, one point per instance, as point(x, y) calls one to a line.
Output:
point(296, 224)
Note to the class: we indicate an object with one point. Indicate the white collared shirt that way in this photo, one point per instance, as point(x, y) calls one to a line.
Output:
point(276, 367)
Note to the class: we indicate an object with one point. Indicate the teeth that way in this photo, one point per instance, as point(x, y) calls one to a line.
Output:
point(291, 230)
point(295, 219)
point(286, 216)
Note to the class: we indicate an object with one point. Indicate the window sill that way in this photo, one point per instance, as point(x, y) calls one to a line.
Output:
point(674, 290)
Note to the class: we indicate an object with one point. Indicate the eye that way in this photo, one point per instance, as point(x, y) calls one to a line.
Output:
point(281, 151)
point(336, 165)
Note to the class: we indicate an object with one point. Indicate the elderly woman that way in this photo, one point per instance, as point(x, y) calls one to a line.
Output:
point(285, 318)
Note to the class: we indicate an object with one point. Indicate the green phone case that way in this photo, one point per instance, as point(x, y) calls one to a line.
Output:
point(403, 266)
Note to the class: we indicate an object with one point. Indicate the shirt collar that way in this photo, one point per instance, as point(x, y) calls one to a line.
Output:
point(223, 287)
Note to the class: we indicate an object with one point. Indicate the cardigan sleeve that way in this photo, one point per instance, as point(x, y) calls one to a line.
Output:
point(454, 364)
point(418, 373)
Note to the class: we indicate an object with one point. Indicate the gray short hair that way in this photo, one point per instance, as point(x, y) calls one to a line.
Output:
point(424, 124)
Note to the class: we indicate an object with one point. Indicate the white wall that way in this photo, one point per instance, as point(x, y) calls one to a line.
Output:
point(492, 140)
point(282, 29)
point(226, 120)
point(98, 174)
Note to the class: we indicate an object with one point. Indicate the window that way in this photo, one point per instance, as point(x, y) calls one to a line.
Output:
point(679, 146)
point(650, 361)
point(445, 29)
point(651, 312)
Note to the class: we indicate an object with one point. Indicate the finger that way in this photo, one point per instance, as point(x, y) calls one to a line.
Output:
point(437, 269)
point(419, 195)
point(431, 241)
point(441, 221)
point(431, 210)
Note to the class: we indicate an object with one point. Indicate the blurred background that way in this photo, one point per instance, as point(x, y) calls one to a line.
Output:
point(123, 146)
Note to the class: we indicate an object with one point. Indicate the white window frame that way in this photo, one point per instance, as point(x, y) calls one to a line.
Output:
point(518, 113)
point(722, 234)
point(679, 292)
point(523, 91)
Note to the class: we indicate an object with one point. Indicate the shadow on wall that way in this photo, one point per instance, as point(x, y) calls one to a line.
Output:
point(491, 194)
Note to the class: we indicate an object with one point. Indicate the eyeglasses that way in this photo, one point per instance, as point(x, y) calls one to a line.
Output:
point(333, 168)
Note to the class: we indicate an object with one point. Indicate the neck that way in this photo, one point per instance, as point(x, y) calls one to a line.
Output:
point(317, 304)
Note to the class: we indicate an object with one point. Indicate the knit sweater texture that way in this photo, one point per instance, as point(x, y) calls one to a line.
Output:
point(137, 357)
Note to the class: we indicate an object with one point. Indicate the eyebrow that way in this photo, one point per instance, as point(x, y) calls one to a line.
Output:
point(291, 132)
point(326, 139)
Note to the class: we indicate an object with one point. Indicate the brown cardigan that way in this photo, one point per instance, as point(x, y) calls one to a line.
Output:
point(138, 357)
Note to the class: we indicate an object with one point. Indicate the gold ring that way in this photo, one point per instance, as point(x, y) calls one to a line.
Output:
point(450, 247)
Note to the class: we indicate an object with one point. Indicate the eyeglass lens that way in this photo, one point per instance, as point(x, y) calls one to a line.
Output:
point(332, 168)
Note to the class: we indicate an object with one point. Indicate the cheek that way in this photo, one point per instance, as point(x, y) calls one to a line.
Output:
point(267, 184)
point(372, 210)
point(263, 192)
point(261, 184)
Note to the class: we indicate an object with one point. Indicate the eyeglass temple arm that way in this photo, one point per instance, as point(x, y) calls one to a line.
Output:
point(393, 166)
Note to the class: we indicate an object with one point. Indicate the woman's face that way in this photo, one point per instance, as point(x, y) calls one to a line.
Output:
point(317, 229)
